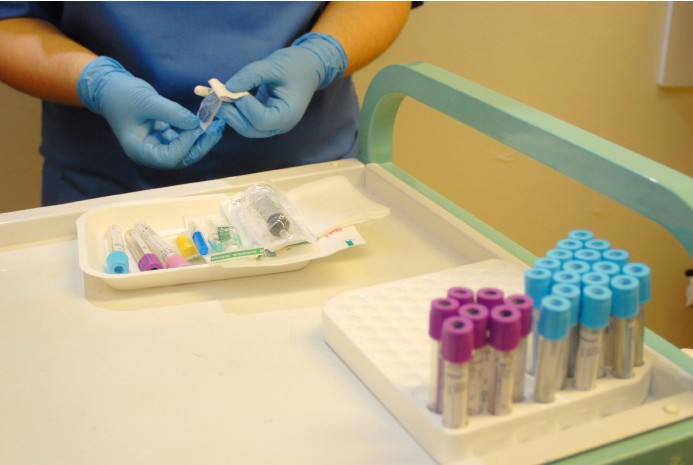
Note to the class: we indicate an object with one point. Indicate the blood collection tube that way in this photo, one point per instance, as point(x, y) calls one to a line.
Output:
point(569, 244)
point(594, 319)
point(562, 255)
point(550, 264)
point(480, 364)
point(537, 286)
point(572, 293)
point(457, 345)
point(599, 245)
point(504, 337)
point(490, 297)
point(594, 278)
point(608, 268)
point(554, 320)
point(198, 238)
point(525, 305)
point(170, 257)
point(576, 266)
point(581, 235)
point(117, 260)
point(566, 277)
point(588, 256)
point(624, 315)
point(146, 260)
point(618, 256)
point(463, 295)
point(642, 273)
point(186, 247)
point(441, 310)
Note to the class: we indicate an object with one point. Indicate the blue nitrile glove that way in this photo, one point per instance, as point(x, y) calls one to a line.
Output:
point(152, 130)
point(285, 83)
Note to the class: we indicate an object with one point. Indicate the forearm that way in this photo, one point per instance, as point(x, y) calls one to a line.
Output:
point(365, 29)
point(36, 58)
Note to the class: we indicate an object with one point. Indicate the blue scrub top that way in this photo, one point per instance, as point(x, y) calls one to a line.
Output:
point(175, 46)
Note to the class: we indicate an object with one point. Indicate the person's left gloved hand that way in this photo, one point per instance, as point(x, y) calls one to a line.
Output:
point(285, 83)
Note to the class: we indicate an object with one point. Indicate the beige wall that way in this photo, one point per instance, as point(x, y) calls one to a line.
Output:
point(591, 64)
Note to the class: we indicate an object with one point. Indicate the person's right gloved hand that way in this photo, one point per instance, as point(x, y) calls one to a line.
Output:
point(152, 130)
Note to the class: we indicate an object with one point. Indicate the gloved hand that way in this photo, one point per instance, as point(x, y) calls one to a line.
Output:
point(285, 83)
point(152, 130)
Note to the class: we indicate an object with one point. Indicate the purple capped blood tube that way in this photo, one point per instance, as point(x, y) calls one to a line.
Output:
point(441, 309)
point(457, 346)
point(479, 368)
point(504, 337)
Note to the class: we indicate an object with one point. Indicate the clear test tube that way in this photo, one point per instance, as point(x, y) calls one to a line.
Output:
point(525, 305)
point(478, 368)
point(463, 295)
point(117, 260)
point(146, 260)
point(594, 318)
point(537, 286)
point(457, 346)
point(642, 273)
point(504, 337)
point(582, 235)
point(572, 293)
point(170, 257)
point(624, 315)
point(441, 309)
point(554, 321)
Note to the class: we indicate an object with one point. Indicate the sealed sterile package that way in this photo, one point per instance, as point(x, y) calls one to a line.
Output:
point(264, 217)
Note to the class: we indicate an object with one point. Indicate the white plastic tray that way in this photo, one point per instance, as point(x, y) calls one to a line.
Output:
point(166, 216)
point(381, 333)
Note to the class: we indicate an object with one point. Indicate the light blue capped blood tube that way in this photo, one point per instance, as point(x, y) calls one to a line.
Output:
point(551, 264)
point(624, 316)
point(594, 319)
point(582, 235)
point(554, 321)
point(572, 245)
point(572, 293)
point(478, 369)
point(600, 245)
point(537, 286)
point(576, 266)
point(562, 255)
point(525, 305)
point(441, 310)
point(642, 273)
point(617, 256)
point(594, 278)
point(117, 260)
point(588, 256)
point(456, 346)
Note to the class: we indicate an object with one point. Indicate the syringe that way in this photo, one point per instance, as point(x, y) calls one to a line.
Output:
point(269, 210)
point(146, 260)
point(117, 260)
point(594, 318)
point(170, 257)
